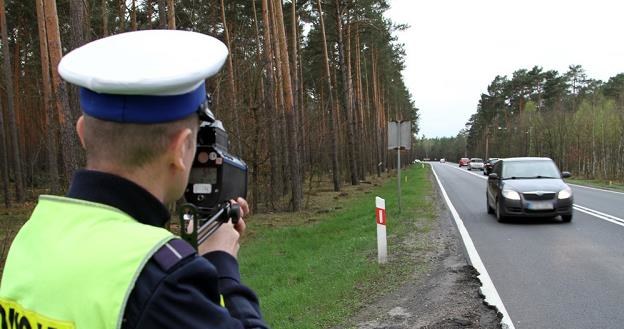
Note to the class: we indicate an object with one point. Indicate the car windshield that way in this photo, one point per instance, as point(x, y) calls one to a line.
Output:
point(476, 160)
point(530, 169)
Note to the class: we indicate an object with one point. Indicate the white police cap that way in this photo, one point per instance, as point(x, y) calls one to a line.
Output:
point(147, 76)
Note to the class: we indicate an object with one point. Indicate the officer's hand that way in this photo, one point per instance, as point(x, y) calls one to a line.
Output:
point(226, 237)
point(244, 208)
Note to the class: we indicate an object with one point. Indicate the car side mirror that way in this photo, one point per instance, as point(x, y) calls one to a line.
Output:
point(566, 174)
point(492, 176)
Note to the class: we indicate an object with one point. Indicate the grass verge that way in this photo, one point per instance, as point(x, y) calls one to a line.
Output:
point(599, 183)
point(315, 269)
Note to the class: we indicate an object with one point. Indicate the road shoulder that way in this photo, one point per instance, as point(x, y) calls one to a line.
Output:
point(445, 296)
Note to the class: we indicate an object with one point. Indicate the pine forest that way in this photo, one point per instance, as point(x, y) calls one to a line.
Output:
point(305, 94)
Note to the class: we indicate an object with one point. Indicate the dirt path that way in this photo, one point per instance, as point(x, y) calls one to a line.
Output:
point(447, 296)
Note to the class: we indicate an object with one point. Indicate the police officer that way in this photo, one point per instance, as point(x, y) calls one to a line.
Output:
point(100, 257)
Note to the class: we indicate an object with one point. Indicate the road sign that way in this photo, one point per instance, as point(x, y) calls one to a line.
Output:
point(399, 138)
point(399, 135)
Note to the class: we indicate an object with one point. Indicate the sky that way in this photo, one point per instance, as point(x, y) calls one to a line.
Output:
point(455, 48)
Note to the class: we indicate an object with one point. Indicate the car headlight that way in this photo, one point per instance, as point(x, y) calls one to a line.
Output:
point(511, 195)
point(564, 194)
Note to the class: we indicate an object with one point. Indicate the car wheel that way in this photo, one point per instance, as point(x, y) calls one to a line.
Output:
point(566, 218)
point(469, 169)
point(499, 212)
point(487, 204)
point(485, 173)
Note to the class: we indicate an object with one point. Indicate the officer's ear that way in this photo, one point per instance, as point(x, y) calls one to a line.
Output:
point(80, 130)
point(180, 148)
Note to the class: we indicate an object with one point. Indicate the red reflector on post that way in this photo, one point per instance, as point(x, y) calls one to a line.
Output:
point(381, 216)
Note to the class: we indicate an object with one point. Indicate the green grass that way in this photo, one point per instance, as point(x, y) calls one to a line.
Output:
point(316, 270)
point(598, 183)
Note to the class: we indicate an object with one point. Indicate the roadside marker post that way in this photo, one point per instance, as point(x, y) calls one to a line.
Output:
point(382, 244)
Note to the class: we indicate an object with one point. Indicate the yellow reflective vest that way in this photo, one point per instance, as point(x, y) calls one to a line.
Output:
point(73, 265)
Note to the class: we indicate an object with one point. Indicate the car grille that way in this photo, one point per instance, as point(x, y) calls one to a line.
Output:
point(531, 196)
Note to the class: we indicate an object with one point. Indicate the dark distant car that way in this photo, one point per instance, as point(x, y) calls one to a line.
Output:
point(487, 167)
point(463, 162)
point(528, 187)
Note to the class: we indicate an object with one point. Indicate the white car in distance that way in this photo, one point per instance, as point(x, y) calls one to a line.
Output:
point(475, 163)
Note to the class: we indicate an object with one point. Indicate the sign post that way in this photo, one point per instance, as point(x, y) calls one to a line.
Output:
point(399, 138)
point(382, 244)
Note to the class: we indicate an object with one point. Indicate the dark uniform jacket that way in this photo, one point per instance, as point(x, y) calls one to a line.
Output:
point(175, 289)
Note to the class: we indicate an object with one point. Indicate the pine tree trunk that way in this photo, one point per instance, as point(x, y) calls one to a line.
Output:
point(269, 103)
point(257, 136)
point(162, 14)
point(368, 117)
point(279, 114)
point(121, 6)
point(376, 127)
point(255, 196)
point(305, 145)
point(19, 188)
point(295, 86)
point(383, 127)
point(359, 101)
point(78, 36)
point(78, 11)
point(68, 137)
point(104, 18)
point(332, 123)
point(133, 16)
point(5, 161)
point(48, 103)
point(295, 175)
point(149, 11)
point(232, 94)
point(16, 74)
point(346, 97)
point(171, 21)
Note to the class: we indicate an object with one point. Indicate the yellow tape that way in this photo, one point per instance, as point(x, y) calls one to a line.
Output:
point(14, 316)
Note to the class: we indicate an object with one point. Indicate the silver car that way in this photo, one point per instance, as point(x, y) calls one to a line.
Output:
point(475, 163)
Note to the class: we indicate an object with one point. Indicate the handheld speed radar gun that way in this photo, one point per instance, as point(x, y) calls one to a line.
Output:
point(216, 178)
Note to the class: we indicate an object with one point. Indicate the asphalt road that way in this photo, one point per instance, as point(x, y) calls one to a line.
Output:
point(548, 274)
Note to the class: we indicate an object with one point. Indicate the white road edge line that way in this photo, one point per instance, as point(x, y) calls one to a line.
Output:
point(487, 286)
point(597, 189)
point(601, 215)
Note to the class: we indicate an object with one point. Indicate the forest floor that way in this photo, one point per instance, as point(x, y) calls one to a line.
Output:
point(445, 296)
